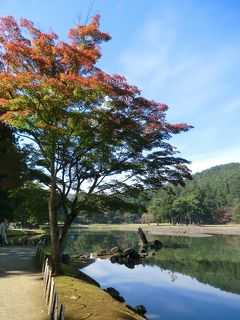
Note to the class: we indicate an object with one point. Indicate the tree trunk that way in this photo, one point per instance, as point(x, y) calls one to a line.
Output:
point(65, 230)
point(142, 237)
point(55, 248)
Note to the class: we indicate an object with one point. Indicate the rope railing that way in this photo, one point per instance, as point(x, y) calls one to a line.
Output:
point(50, 293)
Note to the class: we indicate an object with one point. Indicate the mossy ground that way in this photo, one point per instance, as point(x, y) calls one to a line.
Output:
point(83, 300)
point(16, 233)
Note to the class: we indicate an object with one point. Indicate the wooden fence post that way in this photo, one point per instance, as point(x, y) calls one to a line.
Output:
point(48, 286)
point(51, 296)
point(46, 279)
point(54, 310)
point(45, 271)
point(56, 307)
point(61, 314)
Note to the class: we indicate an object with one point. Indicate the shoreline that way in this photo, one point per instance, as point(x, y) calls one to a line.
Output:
point(181, 230)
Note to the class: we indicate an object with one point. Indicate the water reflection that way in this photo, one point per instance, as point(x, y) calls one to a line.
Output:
point(192, 278)
point(166, 295)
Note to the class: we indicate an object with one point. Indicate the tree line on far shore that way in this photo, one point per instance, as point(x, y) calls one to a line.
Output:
point(211, 197)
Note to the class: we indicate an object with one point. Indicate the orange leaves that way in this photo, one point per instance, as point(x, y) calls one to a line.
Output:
point(76, 59)
point(43, 49)
point(6, 80)
point(3, 104)
point(179, 127)
point(88, 34)
point(42, 53)
point(9, 29)
point(36, 33)
point(32, 54)
point(47, 79)
point(84, 121)
point(29, 25)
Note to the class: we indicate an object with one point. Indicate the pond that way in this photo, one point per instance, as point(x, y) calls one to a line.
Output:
point(190, 278)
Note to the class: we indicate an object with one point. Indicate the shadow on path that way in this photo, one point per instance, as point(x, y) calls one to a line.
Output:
point(17, 259)
point(21, 286)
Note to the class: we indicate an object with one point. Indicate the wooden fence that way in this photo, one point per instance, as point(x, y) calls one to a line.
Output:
point(50, 293)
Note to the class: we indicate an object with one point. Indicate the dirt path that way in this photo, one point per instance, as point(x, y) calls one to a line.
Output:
point(21, 286)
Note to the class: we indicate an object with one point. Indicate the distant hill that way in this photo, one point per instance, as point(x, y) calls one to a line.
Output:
point(213, 196)
point(218, 173)
point(223, 181)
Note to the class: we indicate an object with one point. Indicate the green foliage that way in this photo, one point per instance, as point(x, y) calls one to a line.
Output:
point(236, 211)
point(161, 206)
point(211, 197)
point(11, 160)
point(20, 199)
point(13, 169)
point(31, 204)
point(112, 208)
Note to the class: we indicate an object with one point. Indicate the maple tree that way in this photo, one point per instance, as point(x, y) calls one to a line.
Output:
point(94, 135)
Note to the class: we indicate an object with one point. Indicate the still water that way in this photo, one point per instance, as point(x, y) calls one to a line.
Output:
point(191, 278)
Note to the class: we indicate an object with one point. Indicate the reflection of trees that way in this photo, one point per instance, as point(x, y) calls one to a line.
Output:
point(92, 241)
point(212, 260)
point(172, 276)
point(220, 274)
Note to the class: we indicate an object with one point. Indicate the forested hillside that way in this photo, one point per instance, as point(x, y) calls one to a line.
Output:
point(213, 196)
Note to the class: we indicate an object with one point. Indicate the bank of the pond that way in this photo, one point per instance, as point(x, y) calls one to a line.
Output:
point(84, 300)
point(24, 232)
point(166, 229)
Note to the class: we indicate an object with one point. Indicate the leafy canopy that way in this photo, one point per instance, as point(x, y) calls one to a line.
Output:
point(87, 126)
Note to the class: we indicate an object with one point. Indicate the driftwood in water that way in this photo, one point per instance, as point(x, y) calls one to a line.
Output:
point(156, 244)
point(142, 237)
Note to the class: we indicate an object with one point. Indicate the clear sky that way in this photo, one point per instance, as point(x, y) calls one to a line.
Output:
point(185, 53)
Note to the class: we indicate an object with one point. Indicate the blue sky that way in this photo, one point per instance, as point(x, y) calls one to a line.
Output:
point(185, 53)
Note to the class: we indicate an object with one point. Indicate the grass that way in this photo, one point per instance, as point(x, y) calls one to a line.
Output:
point(133, 227)
point(125, 226)
point(83, 298)
point(138, 225)
point(23, 232)
point(16, 233)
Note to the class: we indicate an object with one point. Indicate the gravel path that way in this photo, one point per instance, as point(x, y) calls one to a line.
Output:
point(21, 285)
